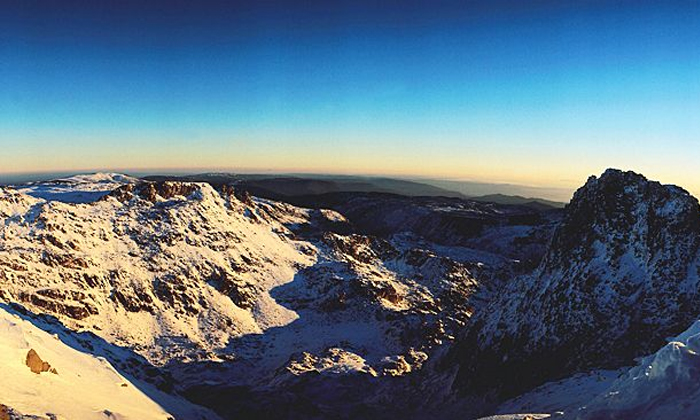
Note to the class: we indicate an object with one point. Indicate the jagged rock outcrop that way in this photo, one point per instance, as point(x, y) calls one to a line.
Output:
point(152, 191)
point(620, 275)
point(8, 413)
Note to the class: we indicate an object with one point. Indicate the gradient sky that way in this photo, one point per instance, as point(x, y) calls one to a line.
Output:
point(538, 93)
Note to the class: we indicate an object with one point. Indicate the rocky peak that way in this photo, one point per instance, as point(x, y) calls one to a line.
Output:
point(623, 210)
point(620, 275)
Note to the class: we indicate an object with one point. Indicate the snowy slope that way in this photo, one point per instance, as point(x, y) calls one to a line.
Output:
point(255, 307)
point(85, 387)
point(664, 385)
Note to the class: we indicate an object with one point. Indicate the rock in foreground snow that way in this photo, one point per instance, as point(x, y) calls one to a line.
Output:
point(87, 387)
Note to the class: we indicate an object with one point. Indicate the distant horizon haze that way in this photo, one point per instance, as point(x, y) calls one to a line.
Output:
point(540, 93)
point(483, 186)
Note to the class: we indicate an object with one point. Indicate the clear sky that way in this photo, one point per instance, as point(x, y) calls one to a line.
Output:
point(538, 93)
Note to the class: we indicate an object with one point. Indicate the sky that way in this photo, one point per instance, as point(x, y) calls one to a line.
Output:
point(535, 93)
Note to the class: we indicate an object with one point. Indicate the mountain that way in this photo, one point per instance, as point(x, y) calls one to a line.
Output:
point(76, 188)
point(478, 189)
point(620, 275)
point(248, 306)
point(145, 265)
point(445, 220)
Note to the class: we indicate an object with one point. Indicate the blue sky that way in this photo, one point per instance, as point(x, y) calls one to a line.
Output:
point(541, 93)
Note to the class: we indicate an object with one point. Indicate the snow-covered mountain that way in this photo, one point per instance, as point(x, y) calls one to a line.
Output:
point(203, 292)
point(78, 188)
point(620, 276)
point(148, 266)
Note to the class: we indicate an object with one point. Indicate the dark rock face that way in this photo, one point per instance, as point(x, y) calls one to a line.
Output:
point(7, 413)
point(620, 275)
point(150, 191)
point(241, 292)
point(133, 300)
point(74, 304)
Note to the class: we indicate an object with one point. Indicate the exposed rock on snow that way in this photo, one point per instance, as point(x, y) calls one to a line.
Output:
point(334, 361)
point(181, 261)
point(37, 365)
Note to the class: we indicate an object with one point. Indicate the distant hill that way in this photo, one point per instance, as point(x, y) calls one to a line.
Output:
point(479, 189)
point(281, 186)
point(534, 203)
point(286, 186)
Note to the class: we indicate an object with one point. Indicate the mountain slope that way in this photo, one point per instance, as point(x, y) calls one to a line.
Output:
point(663, 385)
point(76, 386)
point(620, 275)
point(223, 297)
point(148, 265)
point(535, 203)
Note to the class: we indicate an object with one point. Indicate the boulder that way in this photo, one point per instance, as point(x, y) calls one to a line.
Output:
point(37, 365)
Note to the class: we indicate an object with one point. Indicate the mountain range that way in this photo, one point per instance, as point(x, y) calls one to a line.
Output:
point(217, 296)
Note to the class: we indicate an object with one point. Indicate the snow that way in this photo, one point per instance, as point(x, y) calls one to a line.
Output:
point(560, 397)
point(133, 246)
point(138, 247)
point(77, 189)
point(397, 301)
point(665, 385)
point(85, 387)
